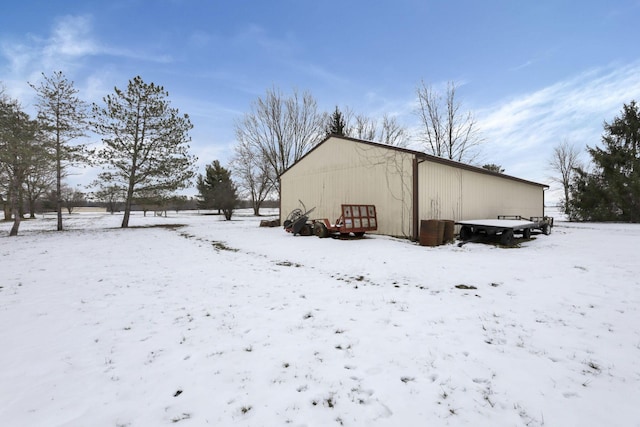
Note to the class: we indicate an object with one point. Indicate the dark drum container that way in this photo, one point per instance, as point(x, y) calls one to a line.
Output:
point(449, 226)
point(440, 232)
point(431, 232)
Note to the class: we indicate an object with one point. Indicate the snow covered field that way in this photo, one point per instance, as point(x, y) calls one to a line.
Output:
point(193, 321)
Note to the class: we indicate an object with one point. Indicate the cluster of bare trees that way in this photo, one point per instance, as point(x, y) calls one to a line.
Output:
point(386, 130)
point(446, 130)
point(271, 137)
point(279, 129)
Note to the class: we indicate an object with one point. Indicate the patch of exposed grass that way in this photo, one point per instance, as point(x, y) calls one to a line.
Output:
point(222, 246)
point(288, 264)
point(184, 416)
point(172, 227)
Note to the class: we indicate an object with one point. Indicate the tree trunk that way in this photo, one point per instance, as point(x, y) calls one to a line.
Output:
point(14, 210)
point(128, 202)
point(32, 208)
point(58, 186)
point(16, 226)
point(127, 213)
point(256, 205)
point(566, 199)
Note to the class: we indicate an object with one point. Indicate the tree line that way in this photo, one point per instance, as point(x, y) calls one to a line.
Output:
point(144, 156)
point(144, 153)
point(279, 129)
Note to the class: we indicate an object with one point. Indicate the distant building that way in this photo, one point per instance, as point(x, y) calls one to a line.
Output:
point(89, 209)
point(405, 185)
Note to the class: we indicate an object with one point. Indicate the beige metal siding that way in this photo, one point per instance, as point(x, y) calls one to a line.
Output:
point(343, 171)
point(346, 171)
point(447, 192)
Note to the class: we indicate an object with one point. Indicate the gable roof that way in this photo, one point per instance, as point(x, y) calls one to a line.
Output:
point(419, 155)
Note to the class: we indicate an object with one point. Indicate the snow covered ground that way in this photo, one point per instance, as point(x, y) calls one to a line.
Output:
point(193, 321)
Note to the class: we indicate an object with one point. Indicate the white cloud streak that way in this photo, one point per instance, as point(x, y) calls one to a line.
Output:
point(68, 47)
point(72, 37)
point(521, 132)
point(72, 40)
point(572, 108)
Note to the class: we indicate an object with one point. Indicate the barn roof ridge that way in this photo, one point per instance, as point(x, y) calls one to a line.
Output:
point(421, 155)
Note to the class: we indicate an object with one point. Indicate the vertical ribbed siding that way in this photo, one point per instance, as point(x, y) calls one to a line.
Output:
point(440, 191)
point(343, 171)
point(447, 192)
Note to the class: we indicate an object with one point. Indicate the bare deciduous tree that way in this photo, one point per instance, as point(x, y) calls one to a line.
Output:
point(111, 195)
point(41, 175)
point(72, 198)
point(447, 131)
point(253, 173)
point(391, 132)
point(281, 129)
point(363, 128)
point(564, 160)
point(387, 130)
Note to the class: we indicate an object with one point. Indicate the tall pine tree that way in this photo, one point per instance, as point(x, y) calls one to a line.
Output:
point(336, 124)
point(216, 190)
point(612, 191)
point(146, 147)
point(62, 115)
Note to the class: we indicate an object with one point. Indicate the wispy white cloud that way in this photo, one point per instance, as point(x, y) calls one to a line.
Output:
point(200, 39)
point(522, 66)
point(72, 36)
point(70, 41)
point(319, 72)
point(69, 46)
point(522, 131)
point(253, 35)
point(557, 111)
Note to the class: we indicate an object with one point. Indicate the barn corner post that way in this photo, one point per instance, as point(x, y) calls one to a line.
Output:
point(415, 199)
point(280, 200)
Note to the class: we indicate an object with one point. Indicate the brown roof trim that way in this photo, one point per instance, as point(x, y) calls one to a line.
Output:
point(422, 156)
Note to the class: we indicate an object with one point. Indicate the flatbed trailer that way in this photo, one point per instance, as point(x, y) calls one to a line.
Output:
point(506, 226)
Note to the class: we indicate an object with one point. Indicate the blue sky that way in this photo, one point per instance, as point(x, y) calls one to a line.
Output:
point(533, 73)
